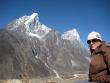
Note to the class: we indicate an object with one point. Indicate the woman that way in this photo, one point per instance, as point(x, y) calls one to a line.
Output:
point(100, 59)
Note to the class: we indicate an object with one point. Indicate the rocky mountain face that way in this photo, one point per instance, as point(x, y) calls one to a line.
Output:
point(17, 59)
point(29, 49)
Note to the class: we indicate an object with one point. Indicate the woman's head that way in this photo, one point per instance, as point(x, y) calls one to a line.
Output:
point(94, 40)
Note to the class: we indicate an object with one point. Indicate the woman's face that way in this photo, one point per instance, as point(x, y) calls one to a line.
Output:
point(94, 43)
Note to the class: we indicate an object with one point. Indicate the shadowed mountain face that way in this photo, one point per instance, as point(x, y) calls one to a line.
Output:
point(29, 49)
point(16, 58)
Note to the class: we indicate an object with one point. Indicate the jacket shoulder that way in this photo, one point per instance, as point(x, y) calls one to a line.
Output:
point(105, 47)
point(107, 44)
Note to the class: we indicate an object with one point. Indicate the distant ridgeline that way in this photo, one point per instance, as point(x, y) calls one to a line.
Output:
point(29, 49)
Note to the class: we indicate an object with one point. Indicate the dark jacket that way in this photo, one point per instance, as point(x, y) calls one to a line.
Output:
point(100, 64)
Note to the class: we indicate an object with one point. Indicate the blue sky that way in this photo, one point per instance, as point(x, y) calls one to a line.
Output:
point(62, 15)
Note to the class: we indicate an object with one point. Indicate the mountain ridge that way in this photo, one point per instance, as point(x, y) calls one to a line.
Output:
point(35, 19)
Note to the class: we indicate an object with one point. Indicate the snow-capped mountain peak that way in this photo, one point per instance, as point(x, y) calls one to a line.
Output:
point(25, 19)
point(34, 15)
point(71, 35)
point(30, 25)
point(33, 19)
